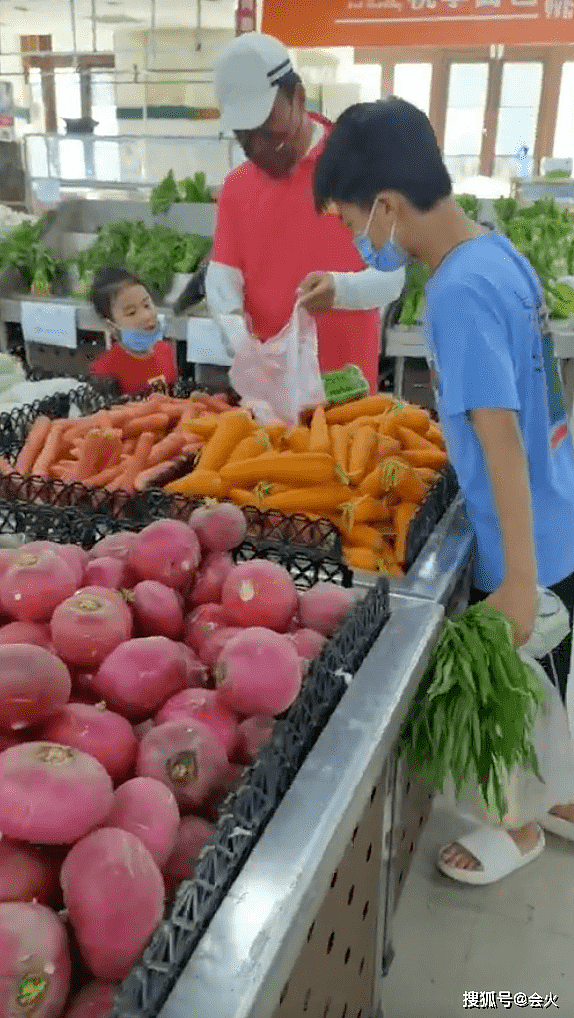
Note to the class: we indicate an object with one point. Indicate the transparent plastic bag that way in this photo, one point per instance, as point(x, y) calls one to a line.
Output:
point(280, 378)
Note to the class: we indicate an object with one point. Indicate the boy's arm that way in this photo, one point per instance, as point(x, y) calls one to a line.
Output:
point(499, 435)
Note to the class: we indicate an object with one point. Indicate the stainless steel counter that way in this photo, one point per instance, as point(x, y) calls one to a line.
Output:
point(249, 950)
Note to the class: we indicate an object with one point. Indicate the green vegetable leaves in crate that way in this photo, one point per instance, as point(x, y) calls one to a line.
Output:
point(472, 718)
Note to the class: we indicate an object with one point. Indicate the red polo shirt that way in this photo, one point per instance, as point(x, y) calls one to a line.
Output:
point(270, 231)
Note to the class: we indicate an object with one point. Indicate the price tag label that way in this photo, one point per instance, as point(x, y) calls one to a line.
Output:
point(205, 344)
point(51, 324)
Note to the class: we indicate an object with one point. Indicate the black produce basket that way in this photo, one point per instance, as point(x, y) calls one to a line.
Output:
point(247, 811)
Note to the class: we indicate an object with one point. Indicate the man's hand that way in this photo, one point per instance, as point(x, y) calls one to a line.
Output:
point(518, 600)
point(317, 292)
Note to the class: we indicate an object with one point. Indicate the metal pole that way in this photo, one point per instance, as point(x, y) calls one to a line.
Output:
point(73, 21)
point(198, 35)
point(153, 21)
point(94, 28)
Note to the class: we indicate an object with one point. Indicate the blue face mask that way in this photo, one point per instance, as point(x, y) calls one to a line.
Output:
point(390, 258)
point(138, 340)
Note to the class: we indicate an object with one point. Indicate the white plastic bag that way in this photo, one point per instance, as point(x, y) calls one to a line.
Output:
point(280, 378)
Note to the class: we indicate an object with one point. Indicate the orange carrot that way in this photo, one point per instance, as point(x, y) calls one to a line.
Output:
point(372, 484)
point(251, 446)
point(363, 536)
point(51, 449)
point(365, 509)
point(281, 467)
point(136, 463)
point(319, 437)
point(426, 475)
point(242, 497)
point(368, 406)
point(104, 477)
point(315, 499)
point(199, 482)
point(147, 477)
point(231, 428)
point(165, 449)
point(216, 403)
point(402, 479)
point(434, 458)
point(362, 558)
point(34, 443)
point(411, 440)
point(203, 426)
point(275, 433)
point(90, 455)
point(153, 422)
point(403, 515)
point(340, 445)
point(434, 434)
point(387, 445)
point(363, 445)
point(298, 439)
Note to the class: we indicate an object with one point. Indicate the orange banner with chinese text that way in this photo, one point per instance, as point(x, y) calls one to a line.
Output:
point(308, 23)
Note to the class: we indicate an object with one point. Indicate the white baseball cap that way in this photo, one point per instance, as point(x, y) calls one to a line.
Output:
point(246, 80)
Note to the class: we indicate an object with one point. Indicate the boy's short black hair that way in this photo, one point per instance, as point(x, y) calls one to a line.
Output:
point(108, 283)
point(288, 84)
point(379, 146)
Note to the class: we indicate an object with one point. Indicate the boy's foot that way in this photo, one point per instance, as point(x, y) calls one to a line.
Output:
point(457, 856)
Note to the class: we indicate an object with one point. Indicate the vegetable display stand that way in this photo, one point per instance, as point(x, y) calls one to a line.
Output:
point(305, 927)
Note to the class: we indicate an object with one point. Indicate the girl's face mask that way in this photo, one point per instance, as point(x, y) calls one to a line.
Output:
point(391, 256)
point(140, 340)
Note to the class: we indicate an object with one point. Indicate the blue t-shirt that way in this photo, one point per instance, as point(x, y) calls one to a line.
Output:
point(485, 325)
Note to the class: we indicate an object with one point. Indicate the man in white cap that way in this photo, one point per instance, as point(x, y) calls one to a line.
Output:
point(270, 245)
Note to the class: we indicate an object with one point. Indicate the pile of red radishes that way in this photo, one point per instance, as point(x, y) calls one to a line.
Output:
point(136, 681)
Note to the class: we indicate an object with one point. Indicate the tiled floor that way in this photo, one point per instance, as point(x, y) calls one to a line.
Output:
point(517, 935)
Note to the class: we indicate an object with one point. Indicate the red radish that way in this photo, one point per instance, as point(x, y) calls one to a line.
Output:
point(157, 610)
point(325, 606)
point(196, 674)
point(210, 578)
point(26, 632)
point(35, 584)
point(193, 836)
point(6, 741)
point(114, 894)
point(105, 572)
point(86, 628)
point(114, 546)
point(201, 705)
point(140, 675)
point(34, 684)
point(51, 794)
point(35, 963)
point(25, 874)
point(260, 593)
point(7, 558)
point(143, 728)
point(94, 1001)
point(116, 598)
point(83, 689)
point(188, 758)
point(167, 551)
point(100, 733)
point(307, 642)
point(212, 647)
point(148, 809)
point(202, 623)
point(219, 526)
point(74, 556)
point(253, 733)
point(258, 672)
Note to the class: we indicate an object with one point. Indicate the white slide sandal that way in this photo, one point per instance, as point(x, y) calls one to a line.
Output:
point(495, 850)
point(556, 825)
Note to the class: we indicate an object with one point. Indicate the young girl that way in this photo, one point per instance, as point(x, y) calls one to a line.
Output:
point(139, 354)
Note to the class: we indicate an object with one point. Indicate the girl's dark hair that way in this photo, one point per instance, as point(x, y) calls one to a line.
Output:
point(381, 146)
point(108, 283)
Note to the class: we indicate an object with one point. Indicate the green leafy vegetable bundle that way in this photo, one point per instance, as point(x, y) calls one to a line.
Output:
point(413, 296)
point(169, 192)
point(22, 249)
point(473, 715)
point(153, 254)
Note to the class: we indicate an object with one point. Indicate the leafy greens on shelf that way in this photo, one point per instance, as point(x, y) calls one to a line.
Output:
point(151, 253)
point(22, 249)
point(169, 192)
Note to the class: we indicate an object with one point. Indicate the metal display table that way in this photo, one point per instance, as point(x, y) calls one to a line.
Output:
point(306, 925)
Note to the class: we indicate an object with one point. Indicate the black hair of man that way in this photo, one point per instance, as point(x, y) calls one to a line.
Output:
point(387, 145)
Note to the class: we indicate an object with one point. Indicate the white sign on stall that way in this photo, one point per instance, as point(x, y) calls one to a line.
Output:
point(51, 324)
point(205, 344)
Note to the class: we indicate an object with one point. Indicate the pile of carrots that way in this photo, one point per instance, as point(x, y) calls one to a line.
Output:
point(366, 465)
point(127, 447)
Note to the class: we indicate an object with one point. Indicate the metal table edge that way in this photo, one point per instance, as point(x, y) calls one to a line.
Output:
point(254, 939)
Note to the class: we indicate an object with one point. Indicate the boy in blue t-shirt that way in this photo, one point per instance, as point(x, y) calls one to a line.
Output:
point(498, 392)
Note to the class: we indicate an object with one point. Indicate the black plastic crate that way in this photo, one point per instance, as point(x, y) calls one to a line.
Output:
point(247, 811)
point(441, 495)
